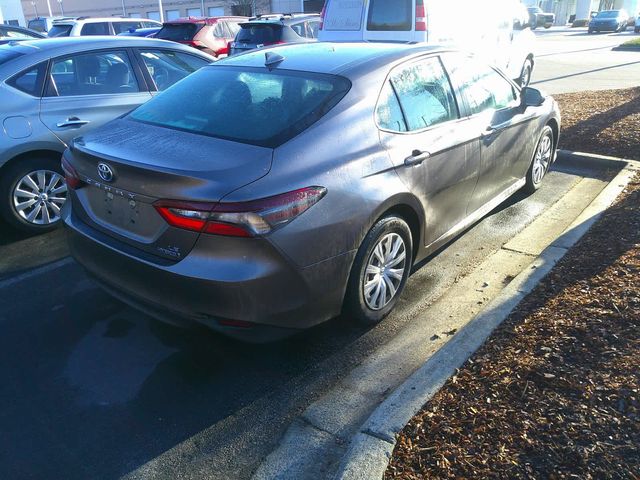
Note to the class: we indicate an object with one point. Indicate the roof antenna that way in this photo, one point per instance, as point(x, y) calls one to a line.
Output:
point(272, 60)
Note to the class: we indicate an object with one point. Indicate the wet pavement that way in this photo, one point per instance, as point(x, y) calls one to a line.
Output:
point(94, 389)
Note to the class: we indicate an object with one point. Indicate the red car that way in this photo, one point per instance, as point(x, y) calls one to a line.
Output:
point(211, 35)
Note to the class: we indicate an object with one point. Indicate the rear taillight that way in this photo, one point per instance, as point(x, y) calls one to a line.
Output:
point(421, 17)
point(71, 176)
point(245, 219)
point(322, 14)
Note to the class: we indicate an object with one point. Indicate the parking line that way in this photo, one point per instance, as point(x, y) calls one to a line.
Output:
point(35, 272)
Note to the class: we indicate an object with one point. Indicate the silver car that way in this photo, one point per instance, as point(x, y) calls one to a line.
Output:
point(55, 89)
point(310, 180)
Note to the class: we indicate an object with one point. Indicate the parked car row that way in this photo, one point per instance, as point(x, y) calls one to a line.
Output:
point(58, 88)
point(212, 192)
point(609, 21)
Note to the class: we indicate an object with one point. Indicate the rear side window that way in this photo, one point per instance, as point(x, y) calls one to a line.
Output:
point(179, 32)
point(119, 27)
point(248, 105)
point(390, 15)
point(39, 25)
point(264, 34)
point(425, 94)
point(60, 31)
point(388, 112)
point(98, 28)
point(30, 81)
point(97, 73)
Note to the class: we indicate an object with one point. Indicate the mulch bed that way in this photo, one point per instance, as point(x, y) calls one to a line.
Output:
point(606, 123)
point(555, 392)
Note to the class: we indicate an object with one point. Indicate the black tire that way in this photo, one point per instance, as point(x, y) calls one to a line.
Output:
point(589, 31)
point(525, 73)
point(10, 178)
point(534, 178)
point(355, 302)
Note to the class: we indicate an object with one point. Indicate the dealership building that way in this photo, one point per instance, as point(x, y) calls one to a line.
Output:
point(11, 12)
point(161, 10)
point(565, 10)
point(569, 10)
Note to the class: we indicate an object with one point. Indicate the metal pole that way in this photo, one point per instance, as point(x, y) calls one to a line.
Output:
point(49, 7)
point(35, 6)
point(202, 9)
point(124, 10)
point(161, 11)
point(61, 8)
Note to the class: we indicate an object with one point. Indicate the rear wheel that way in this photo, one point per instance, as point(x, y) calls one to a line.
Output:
point(32, 193)
point(541, 160)
point(380, 270)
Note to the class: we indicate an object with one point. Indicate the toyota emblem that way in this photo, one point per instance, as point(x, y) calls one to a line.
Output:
point(105, 172)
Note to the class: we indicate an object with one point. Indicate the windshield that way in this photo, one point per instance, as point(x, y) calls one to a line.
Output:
point(252, 106)
point(60, 30)
point(179, 32)
point(608, 14)
point(259, 34)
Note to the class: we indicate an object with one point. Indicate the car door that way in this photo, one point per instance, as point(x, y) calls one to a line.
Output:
point(498, 121)
point(429, 144)
point(88, 89)
point(164, 67)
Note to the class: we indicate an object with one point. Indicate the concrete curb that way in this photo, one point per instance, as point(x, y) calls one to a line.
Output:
point(371, 448)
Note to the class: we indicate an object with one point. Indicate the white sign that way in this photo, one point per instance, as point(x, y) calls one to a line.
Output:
point(345, 15)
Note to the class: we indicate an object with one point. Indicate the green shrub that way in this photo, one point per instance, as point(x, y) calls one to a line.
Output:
point(580, 23)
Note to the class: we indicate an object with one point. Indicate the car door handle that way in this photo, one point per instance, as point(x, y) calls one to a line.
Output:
point(72, 122)
point(416, 158)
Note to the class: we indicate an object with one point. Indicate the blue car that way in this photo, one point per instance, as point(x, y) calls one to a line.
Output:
point(141, 32)
point(609, 21)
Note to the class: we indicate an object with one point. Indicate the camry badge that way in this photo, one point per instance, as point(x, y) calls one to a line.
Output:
point(105, 172)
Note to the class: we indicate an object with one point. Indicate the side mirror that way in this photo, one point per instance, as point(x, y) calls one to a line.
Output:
point(531, 97)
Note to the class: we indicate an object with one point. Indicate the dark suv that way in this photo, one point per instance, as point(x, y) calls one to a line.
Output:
point(273, 29)
point(211, 35)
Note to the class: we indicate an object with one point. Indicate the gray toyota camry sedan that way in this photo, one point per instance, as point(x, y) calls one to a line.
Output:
point(270, 191)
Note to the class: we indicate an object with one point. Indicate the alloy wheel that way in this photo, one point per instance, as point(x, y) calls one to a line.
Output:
point(38, 197)
point(384, 271)
point(542, 159)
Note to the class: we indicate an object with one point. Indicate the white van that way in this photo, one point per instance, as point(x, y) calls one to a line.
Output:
point(495, 29)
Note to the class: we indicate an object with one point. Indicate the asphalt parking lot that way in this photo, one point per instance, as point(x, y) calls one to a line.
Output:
point(97, 390)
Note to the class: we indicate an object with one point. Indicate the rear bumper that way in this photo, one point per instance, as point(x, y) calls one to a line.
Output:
point(216, 282)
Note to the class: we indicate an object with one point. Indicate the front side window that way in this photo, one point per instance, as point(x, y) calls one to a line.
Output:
point(248, 105)
point(482, 87)
point(425, 94)
point(30, 81)
point(98, 28)
point(166, 67)
point(96, 73)
point(390, 15)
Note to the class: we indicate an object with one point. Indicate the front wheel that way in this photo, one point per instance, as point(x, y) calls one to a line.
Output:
point(525, 73)
point(541, 160)
point(32, 193)
point(380, 270)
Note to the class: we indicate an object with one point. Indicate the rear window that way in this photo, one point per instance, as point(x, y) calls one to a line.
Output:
point(60, 30)
point(179, 32)
point(248, 105)
point(39, 25)
point(390, 15)
point(259, 34)
point(609, 14)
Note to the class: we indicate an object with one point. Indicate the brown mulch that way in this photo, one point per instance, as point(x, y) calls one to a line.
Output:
point(555, 392)
point(606, 122)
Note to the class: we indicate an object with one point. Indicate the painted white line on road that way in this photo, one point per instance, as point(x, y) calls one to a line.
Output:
point(35, 272)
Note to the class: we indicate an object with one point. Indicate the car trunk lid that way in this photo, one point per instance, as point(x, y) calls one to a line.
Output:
point(126, 170)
